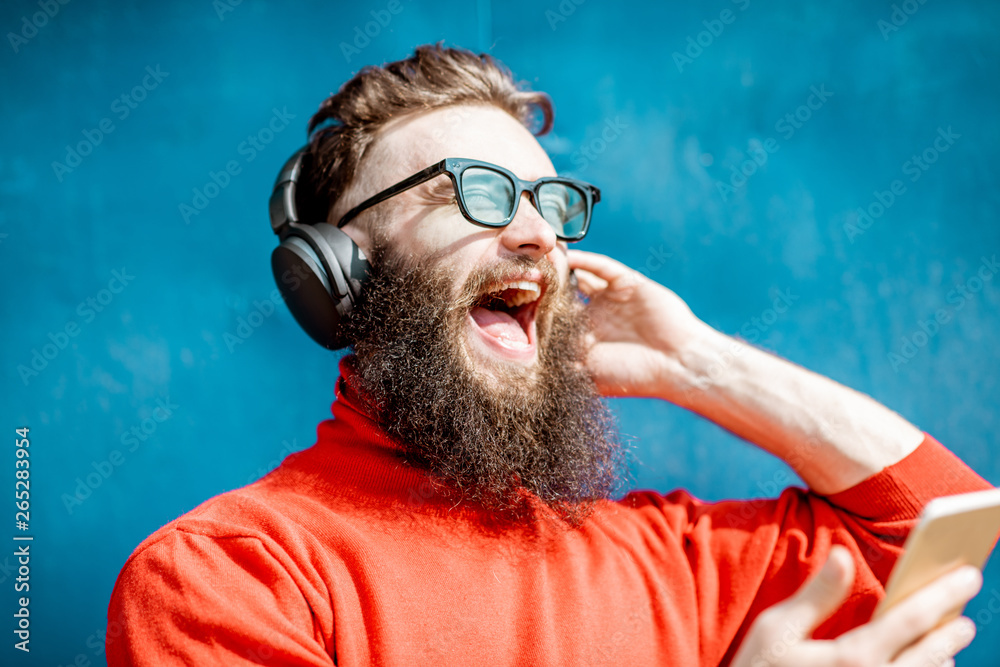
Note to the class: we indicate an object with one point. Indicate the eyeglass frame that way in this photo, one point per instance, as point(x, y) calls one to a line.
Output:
point(455, 167)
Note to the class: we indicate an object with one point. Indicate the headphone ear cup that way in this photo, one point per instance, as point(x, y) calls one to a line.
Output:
point(319, 271)
point(349, 257)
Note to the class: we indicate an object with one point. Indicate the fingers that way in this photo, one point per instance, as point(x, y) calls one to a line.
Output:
point(938, 647)
point(588, 283)
point(611, 271)
point(921, 612)
point(820, 596)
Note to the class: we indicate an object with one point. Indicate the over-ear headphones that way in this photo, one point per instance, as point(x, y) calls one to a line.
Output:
point(318, 268)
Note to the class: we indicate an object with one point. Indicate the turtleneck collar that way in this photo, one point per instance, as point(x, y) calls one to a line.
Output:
point(354, 456)
point(357, 410)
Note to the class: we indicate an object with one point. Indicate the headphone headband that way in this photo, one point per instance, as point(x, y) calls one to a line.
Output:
point(282, 206)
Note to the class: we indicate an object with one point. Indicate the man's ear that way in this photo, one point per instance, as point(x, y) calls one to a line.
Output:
point(358, 229)
point(360, 235)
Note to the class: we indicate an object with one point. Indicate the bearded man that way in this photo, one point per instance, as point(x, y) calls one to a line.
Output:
point(463, 505)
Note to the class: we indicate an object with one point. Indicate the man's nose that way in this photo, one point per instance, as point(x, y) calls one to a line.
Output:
point(528, 233)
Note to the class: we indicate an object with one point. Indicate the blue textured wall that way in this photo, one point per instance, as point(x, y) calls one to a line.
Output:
point(657, 132)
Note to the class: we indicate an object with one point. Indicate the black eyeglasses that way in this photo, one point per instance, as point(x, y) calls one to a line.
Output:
point(488, 195)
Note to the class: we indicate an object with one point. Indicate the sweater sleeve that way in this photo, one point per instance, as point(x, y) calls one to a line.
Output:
point(746, 556)
point(193, 599)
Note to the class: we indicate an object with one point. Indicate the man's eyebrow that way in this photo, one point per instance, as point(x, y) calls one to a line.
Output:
point(440, 185)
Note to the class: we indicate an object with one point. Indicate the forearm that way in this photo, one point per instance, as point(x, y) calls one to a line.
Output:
point(832, 436)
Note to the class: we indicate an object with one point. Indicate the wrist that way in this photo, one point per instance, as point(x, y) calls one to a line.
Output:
point(703, 365)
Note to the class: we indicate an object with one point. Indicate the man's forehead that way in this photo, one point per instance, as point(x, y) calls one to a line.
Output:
point(411, 143)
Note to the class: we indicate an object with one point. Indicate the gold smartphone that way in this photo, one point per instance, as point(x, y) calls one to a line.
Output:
point(953, 531)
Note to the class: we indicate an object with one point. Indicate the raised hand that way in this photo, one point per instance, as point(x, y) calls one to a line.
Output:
point(640, 327)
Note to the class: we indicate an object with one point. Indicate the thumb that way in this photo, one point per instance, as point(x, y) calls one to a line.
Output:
point(820, 596)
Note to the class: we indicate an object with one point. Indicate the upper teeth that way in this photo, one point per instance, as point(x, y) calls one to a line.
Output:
point(524, 291)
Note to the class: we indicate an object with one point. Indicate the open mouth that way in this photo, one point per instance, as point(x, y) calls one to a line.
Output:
point(504, 317)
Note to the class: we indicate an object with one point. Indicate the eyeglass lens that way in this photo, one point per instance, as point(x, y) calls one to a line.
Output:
point(489, 198)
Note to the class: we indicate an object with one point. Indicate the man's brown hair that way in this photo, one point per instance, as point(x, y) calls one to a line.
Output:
point(433, 77)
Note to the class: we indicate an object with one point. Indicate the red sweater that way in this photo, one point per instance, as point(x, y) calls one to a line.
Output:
point(345, 555)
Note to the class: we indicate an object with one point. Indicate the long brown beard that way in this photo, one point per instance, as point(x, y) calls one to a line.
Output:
point(545, 430)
